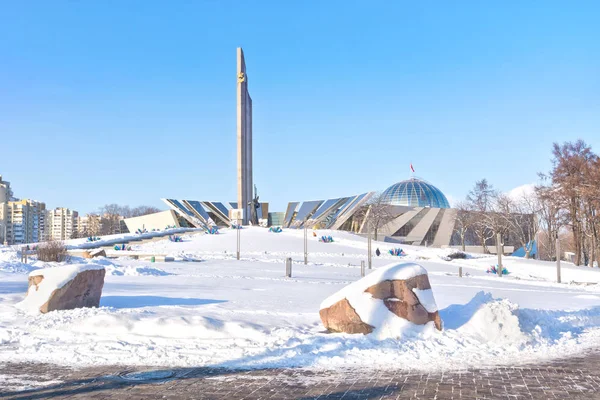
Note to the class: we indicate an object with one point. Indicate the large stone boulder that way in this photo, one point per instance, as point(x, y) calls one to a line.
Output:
point(94, 253)
point(391, 301)
point(64, 288)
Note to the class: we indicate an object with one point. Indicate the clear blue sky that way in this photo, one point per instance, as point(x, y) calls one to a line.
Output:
point(131, 101)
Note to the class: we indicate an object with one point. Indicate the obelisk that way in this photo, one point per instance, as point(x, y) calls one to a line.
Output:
point(244, 138)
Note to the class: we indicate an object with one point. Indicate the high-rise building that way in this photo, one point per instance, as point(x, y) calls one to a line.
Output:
point(24, 221)
point(5, 196)
point(61, 223)
point(3, 212)
point(5, 191)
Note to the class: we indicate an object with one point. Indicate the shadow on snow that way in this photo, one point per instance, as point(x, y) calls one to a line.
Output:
point(152, 301)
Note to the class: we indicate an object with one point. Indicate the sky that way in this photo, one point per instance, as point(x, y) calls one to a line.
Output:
point(129, 102)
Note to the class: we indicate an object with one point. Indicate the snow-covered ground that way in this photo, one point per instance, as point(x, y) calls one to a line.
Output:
point(224, 312)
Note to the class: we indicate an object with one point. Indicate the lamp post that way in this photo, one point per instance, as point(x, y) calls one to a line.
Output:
point(557, 260)
point(499, 249)
point(305, 244)
point(369, 247)
point(238, 242)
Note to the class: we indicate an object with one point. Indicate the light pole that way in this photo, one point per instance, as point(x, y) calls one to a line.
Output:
point(557, 259)
point(369, 260)
point(499, 249)
point(238, 241)
point(305, 244)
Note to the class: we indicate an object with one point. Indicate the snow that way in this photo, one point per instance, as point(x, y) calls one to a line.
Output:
point(54, 278)
point(25, 382)
point(426, 299)
point(221, 312)
point(132, 270)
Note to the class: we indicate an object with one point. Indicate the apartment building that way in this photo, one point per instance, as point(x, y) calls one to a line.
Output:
point(61, 223)
point(5, 196)
point(24, 221)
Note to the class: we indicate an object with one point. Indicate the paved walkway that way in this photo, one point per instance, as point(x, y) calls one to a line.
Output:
point(573, 378)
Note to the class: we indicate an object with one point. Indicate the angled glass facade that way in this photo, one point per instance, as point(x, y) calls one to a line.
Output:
point(196, 206)
point(306, 210)
point(414, 193)
point(289, 213)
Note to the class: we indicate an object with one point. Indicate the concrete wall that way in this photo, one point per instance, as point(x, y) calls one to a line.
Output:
point(159, 221)
point(417, 234)
point(444, 233)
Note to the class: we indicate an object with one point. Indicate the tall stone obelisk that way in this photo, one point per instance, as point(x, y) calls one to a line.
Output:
point(244, 138)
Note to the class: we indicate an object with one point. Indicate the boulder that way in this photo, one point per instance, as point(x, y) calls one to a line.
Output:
point(94, 253)
point(341, 317)
point(64, 288)
point(389, 301)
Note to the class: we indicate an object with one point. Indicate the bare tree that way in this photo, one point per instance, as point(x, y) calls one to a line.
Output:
point(591, 212)
point(551, 217)
point(570, 175)
point(463, 221)
point(110, 219)
point(54, 250)
point(93, 226)
point(125, 211)
point(113, 214)
point(143, 210)
point(481, 200)
point(375, 214)
point(521, 216)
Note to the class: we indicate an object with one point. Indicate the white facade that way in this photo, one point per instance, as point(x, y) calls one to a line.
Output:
point(157, 221)
point(61, 223)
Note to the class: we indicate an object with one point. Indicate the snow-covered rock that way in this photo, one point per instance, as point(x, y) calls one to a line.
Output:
point(64, 288)
point(392, 301)
point(94, 253)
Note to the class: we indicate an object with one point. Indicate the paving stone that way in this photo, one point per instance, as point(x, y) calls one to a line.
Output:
point(560, 379)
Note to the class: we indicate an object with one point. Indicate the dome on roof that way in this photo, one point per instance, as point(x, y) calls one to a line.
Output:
point(414, 192)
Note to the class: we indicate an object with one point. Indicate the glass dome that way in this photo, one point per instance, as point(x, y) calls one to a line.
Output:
point(414, 192)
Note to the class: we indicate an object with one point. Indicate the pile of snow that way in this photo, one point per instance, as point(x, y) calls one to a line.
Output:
point(16, 267)
point(54, 278)
point(10, 262)
point(373, 311)
point(487, 320)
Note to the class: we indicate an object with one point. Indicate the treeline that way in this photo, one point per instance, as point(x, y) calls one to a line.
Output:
point(487, 213)
point(564, 206)
point(570, 198)
point(108, 220)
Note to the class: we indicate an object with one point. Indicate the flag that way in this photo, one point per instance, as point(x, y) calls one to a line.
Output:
point(411, 168)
